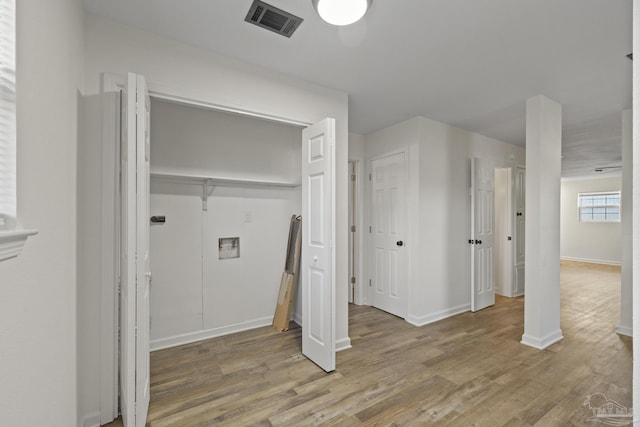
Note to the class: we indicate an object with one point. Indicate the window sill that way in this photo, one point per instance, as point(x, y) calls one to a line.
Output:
point(12, 242)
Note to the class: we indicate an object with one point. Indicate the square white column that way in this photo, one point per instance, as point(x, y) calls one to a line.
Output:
point(542, 223)
point(625, 327)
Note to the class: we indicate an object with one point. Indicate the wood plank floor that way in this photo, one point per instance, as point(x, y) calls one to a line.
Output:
point(468, 370)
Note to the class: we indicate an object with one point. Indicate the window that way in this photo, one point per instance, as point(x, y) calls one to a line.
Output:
point(599, 207)
point(7, 115)
point(11, 240)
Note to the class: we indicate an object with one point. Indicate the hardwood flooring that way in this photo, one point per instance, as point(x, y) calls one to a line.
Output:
point(468, 370)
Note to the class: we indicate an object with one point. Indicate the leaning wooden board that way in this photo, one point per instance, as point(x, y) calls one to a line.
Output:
point(289, 280)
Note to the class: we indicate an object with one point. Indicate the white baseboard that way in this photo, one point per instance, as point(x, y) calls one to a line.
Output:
point(542, 342)
point(434, 317)
point(590, 261)
point(297, 319)
point(190, 337)
point(517, 294)
point(343, 344)
point(624, 330)
point(90, 420)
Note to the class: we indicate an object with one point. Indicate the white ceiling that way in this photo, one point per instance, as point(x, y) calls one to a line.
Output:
point(469, 63)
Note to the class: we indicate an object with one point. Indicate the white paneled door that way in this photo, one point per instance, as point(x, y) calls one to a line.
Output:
point(519, 235)
point(135, 274)
point(388, 219)
point(318, 237)
point(482, 229)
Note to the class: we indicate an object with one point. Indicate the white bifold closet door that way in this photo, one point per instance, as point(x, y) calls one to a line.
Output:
point(135, 274)
point(318, 240)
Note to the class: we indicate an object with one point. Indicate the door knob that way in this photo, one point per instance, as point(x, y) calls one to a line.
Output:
point(400, 243)
point(315, 259)
point(478, 242)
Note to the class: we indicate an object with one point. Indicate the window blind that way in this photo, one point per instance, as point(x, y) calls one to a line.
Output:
point(7, 115)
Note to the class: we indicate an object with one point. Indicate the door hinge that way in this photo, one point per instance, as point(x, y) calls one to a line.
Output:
point(369, 282)
point(353, 228)
point(369, 177)
point(353, 280)
point(369, 229)
point(353, 177)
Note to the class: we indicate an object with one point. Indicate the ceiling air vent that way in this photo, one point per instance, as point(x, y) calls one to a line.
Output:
point(273, 19)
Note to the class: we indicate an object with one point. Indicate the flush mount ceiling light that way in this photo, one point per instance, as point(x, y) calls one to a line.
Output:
point(341, 12)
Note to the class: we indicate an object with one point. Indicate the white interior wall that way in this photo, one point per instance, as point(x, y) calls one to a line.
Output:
point(356, 147)
point(197, 141)
point(598, 242)
point(242, 293)
point(176, 262)
point(445, 171)
point(185, 71)
point(439, 205)
point(89, 256)
point(445, 180)
point(38, 289)
point(196, 295)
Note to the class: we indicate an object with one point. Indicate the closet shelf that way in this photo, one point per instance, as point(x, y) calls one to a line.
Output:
point(222, 182)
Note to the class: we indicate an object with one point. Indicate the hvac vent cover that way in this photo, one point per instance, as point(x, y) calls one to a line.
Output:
point(273, 19)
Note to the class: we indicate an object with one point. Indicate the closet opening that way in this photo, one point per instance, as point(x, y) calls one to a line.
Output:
point(226, 185)
point(244, 180)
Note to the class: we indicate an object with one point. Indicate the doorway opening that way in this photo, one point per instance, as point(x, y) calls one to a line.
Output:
point(509, 231)
point(498, 219)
